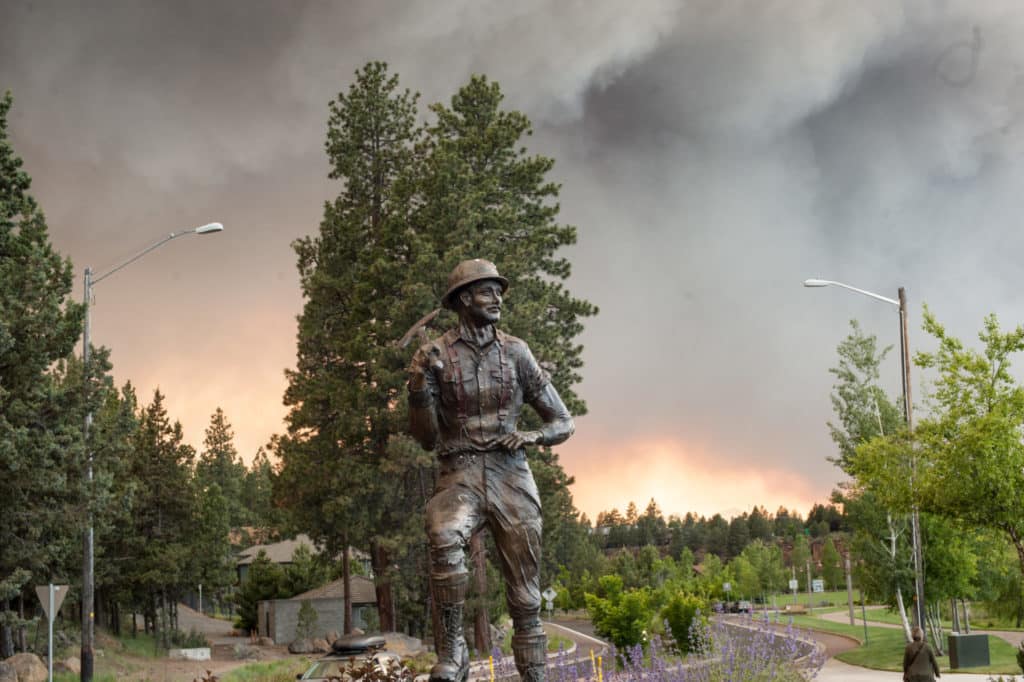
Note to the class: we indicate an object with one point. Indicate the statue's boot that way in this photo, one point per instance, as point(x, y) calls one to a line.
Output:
point(453, 654)
point(530, 651)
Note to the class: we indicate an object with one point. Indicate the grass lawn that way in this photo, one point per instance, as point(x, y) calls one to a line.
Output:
point(887, 616)
point(836, 598)
point(284, 670)
point(884, 650)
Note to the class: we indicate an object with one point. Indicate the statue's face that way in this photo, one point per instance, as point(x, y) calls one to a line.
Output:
point(482, 301)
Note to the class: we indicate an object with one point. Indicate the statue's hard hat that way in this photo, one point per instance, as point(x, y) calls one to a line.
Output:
point(469, 271)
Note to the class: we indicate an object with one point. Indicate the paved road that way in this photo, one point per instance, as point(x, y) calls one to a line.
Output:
point(216, 630)
point(834, 670)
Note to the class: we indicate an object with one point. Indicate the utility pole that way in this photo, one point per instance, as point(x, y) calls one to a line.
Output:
point(915, 519)
point(88, 565)
point(88, 555)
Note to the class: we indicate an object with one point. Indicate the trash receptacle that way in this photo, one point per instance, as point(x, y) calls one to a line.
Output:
point(968, 651)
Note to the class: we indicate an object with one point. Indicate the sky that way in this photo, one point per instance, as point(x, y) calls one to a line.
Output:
point(713, 154)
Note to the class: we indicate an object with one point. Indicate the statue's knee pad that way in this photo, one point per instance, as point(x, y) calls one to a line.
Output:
point(449, 588)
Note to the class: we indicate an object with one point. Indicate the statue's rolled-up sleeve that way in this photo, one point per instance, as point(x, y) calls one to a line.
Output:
point(540, 394)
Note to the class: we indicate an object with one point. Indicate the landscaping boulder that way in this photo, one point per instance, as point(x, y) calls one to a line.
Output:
point(402, 644)
point(265, 641)
point(321, 646)
point(331, 636)
point(301, 646)
point(7, 673)
point(28, 668)
point(244, 651)
point(72, 664)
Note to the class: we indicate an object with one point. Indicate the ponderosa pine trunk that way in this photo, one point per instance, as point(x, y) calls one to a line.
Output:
point(382, 587)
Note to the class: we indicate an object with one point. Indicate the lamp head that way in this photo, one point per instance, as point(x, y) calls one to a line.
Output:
point(206, 229)
point(816, 282)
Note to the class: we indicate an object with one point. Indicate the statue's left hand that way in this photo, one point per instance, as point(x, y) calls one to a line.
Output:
point(516, 440)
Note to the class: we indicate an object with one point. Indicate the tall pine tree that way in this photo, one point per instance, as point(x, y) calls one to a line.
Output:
point(38, 326)
point(414, 203)
point(220, 464)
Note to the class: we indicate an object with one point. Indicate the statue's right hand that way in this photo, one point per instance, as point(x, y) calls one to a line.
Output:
point(425, 363)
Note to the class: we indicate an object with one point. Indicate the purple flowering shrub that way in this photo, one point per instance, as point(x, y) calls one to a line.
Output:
point(746, 649)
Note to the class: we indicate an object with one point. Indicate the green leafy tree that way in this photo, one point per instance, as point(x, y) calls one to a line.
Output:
point(713, 575)
point(263, 580)
point(766, 561)
point(307, 621)
point(831, 565)
point(41, 451)
point(620, 616)
point(862, 407)
point(680, 613)
point(878, 522)
point(746, 582)
point(966, 460)
point(799, 558)
point(972, 444)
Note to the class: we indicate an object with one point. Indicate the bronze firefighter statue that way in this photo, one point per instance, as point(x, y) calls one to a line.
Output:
point(466, 390)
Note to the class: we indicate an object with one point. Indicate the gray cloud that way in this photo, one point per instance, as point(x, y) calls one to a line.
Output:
point(713, 156)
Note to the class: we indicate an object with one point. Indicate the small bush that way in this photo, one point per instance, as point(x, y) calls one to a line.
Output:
point(188, 640)
point(679, 614)
point(1020, 656)
point(306, 627)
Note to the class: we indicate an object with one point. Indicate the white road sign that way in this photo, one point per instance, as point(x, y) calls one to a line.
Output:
point(793, 584)
point(817, 585)
point(59, 592)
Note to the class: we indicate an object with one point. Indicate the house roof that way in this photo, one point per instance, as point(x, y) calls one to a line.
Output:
point(363, 591)
point(278, 552)
point(281, 552)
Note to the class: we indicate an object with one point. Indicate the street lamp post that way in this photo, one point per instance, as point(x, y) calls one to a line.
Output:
point(915, 521)
point(88, 564)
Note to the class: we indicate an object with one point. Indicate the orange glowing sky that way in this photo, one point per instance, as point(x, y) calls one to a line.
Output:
point(706, 183)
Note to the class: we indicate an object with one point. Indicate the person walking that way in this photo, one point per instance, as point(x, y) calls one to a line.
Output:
point(919, 664)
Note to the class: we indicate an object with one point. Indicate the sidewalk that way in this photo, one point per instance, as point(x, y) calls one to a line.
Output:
point(837, 671)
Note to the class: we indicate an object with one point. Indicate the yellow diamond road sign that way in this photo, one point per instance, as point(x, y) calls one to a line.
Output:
point(59, 592)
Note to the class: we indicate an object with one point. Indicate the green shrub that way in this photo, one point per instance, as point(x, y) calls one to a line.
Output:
point(306, 627)
point(188, 640)
point(620, 616)
point(679, 613)
point(1020, 656)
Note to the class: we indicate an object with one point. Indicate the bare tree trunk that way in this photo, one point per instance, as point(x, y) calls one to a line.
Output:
point(382, 586)
point(22, 635)
point(1018, 544)
point(935, 627)
point(6, 638)
point(893, 536)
